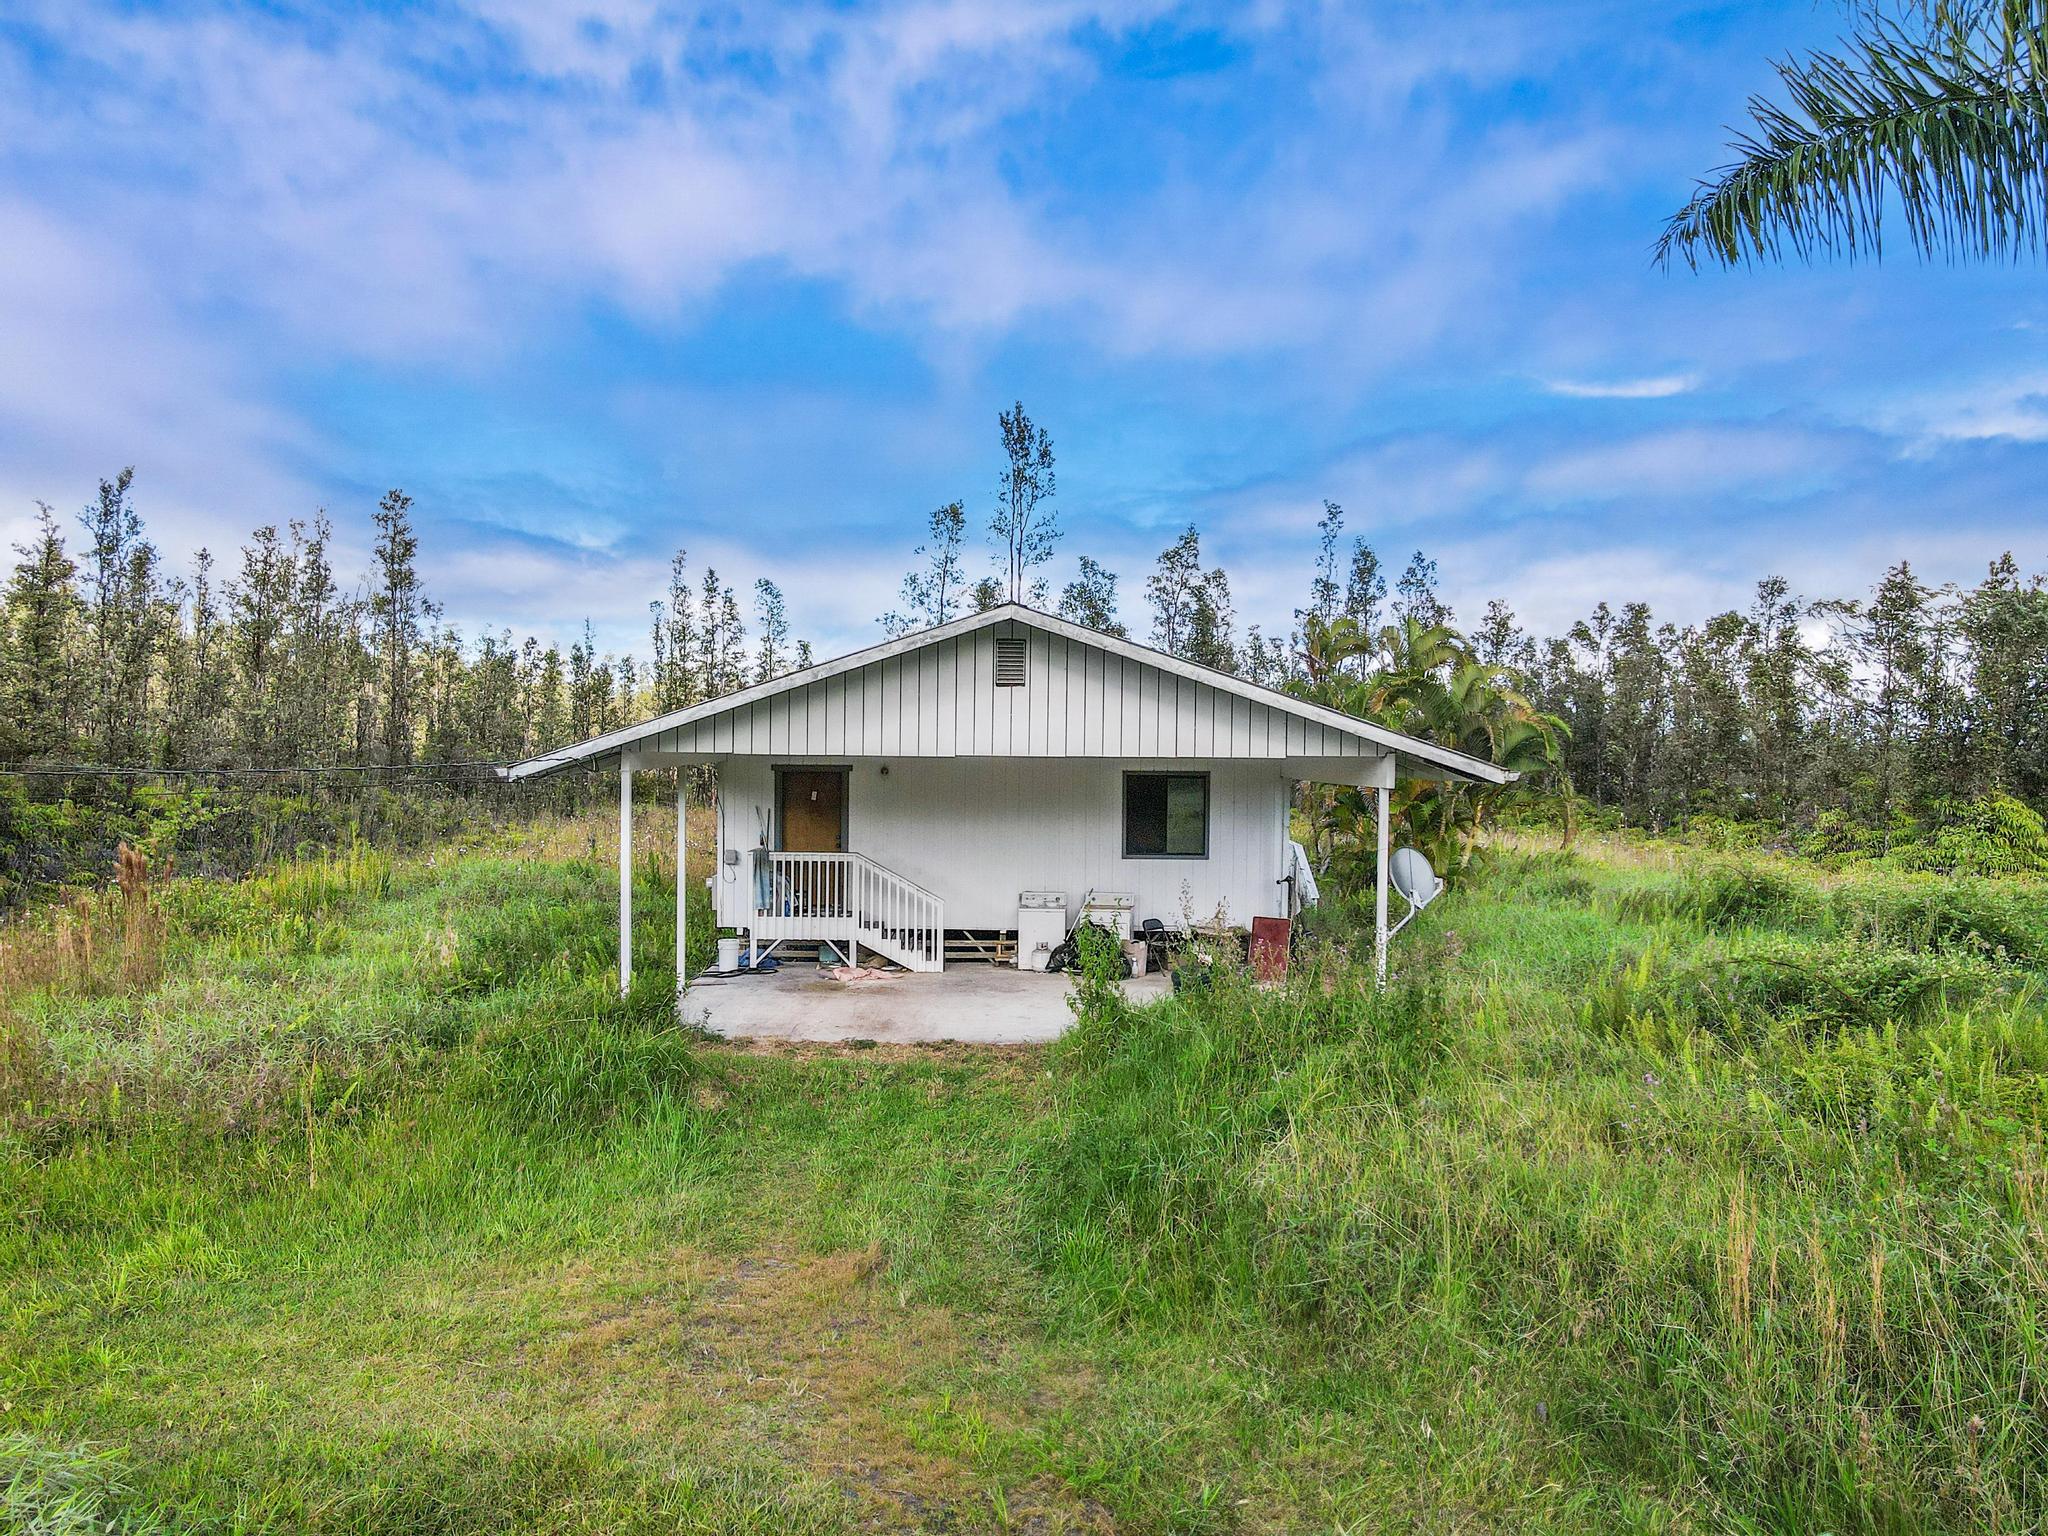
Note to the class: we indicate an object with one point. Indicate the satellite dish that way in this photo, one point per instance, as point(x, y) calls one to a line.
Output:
point(1413, 878)
point(1410, 874)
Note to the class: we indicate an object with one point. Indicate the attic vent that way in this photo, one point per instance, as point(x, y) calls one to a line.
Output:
point(1009, 662)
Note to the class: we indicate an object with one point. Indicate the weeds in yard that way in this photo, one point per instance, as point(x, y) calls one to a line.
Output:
point(60, 947)
point(579, 1074)
point(1660, 1193)
point(142, 923)
point(1170, 1179)
point(75, 1491)
point(26, 1072)
point(1797, 1271)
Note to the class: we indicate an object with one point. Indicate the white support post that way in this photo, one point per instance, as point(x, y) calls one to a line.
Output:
point(683, 883)
point(1381, 783)
point(1379, 894)
point(625, 872)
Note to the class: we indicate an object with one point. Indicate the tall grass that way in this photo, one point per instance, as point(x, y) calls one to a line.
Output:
point(1167, 1182)
point(66, 1491)
point(321, 985)
point(1781, 1241)
point(1668, 1194)
point(1997, 919)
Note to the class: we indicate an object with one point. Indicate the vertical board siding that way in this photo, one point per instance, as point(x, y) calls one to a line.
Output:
point(1077, 701)
point(977, 832)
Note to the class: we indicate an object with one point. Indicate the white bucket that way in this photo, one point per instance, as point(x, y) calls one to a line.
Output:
point(728, 954)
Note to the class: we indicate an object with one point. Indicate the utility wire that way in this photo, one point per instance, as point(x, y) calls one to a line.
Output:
point(446, 770)
point(309, 770)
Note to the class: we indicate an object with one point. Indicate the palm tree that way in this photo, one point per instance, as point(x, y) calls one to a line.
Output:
point(1464, 704)
point(1947, 111)
point(1429, 685)
point(1327, 646)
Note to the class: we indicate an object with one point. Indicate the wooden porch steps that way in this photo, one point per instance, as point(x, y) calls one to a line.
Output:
point(844, 899)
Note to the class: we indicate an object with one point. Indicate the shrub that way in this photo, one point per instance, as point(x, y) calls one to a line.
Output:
point(1838, 838)
point(1986, 917)
point(66, 831)
point(1725, 834)
point(1098, 989)
point(1996, 835)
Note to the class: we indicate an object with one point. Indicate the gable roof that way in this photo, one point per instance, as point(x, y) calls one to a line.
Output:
point(1324, 732)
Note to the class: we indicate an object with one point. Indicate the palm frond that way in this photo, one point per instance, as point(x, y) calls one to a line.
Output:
point(1951, 121)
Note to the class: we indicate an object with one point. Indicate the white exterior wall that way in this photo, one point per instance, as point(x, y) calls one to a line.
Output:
point(975, 832)
point(941, 700)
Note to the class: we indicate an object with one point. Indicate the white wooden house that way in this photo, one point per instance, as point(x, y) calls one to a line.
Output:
point(915, 789)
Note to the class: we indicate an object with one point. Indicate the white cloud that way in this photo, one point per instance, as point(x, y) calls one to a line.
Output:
point(1411, 481)
point(1551, 589)
point(336, 182)
point(207, 209)
point(1654, 387)
point(1683, 463)
point(98, 376)
point(2014, 409)
point(203, 204)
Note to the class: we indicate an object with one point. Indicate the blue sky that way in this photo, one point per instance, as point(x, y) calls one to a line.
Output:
point(594, 280)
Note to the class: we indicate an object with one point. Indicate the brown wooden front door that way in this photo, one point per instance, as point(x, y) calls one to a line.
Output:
point(811, 810)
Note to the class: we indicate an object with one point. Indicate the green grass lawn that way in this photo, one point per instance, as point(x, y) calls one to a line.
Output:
point(1661, 1192)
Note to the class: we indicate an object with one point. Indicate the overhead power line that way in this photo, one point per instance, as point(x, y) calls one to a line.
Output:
point(308, 770)
point(470, 770)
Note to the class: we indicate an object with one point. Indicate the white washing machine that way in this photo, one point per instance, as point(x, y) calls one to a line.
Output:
point(1041, 925)
point(1112, 910)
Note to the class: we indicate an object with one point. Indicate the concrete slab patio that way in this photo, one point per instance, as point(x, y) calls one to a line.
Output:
point(978, 1004)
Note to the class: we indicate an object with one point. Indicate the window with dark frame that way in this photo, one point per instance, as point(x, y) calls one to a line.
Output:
point(1166, 815)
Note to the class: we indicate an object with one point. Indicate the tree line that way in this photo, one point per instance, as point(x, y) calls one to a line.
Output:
point(1842, 716)
point(1853, 716)
point(106, 658)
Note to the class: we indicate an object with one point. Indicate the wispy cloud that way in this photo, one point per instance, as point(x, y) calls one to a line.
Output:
point(99, 375)
point(1660, 386)
point(1687, 464)
point(2012, 408)
point(374, 192)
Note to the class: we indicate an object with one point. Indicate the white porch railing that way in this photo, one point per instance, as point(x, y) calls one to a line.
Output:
point(847, 899)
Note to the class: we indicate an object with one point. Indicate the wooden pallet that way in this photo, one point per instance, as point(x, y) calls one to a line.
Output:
point(964, 946)
point(987, 946)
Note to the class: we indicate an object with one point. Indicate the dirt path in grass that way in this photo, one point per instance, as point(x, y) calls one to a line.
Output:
point(815, 1359)
point(769, 1366)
